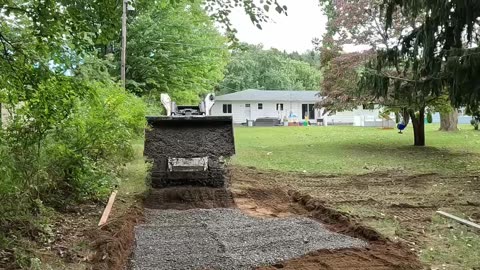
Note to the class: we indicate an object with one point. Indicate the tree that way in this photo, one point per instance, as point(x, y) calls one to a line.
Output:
point(340, 83)
point(220, 10)
point(73, 124)
point(311, 57)
point(175, 49)
point(448, 114)
point(436, 54)
point(353, 22)
point(475, 119)
point(449, 120)
point(65, 29)
point(360, 22)
point(253, 67)
point(41, 44)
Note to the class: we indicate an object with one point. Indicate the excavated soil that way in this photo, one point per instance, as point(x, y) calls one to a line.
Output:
point(256, 194)
point(184, 198)
point(113, 241)
point(408, 200)
point(188, 139)
point(381, 254)
point(269, 195)
point(376, 257)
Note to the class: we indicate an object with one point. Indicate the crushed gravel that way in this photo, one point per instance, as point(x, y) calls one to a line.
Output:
point(227, 239)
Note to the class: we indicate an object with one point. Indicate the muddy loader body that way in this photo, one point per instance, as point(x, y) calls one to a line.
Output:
point(189, 147)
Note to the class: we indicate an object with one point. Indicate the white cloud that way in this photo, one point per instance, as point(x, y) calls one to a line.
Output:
point(294, 32)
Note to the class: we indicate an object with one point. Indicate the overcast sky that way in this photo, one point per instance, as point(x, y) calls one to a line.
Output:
point(294, 32)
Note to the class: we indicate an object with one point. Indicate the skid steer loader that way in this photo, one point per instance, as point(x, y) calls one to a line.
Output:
point(189, 147)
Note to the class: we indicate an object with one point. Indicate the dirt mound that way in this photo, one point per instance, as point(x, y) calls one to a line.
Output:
point(189, 137)
point(184, 198)
point(114, 241)
point(337, 221)
point(375, 257)
point(381, 254)
point(267, 202)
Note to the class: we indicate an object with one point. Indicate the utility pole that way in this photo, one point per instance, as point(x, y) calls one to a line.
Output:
point(124, 42)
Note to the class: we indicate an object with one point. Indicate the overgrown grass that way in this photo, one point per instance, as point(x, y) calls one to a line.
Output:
point(134, 177)
point(31, 247)
point(356, 150)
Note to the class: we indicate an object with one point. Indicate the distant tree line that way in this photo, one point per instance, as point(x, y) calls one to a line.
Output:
point(253, 67)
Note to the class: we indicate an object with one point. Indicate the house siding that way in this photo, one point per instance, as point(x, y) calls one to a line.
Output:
point(240, 113)
point(356, 117)
point(292, 104)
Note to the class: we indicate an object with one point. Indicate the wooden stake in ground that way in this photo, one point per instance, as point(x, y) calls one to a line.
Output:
point(108, 208)
point(461, 220)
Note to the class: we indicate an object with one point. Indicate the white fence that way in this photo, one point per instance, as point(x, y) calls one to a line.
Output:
point(372, 121)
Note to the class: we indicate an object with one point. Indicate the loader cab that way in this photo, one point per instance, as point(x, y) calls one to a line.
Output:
point(187, 110)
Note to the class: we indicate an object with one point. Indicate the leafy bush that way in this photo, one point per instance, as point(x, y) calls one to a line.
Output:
point(429, 118)
point(65, 144)
point(475, 118)
point(90, 146)
point(69, 135)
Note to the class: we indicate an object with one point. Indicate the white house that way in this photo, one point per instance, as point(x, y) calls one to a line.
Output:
point(253, 104)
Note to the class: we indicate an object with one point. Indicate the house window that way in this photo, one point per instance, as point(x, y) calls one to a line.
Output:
point(279, 106)
point(308, 110)
point(247, 105)
point(260, 106)
point(369, 106)
point(227, 108)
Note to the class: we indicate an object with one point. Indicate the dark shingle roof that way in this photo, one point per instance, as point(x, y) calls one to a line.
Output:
point(270, 95)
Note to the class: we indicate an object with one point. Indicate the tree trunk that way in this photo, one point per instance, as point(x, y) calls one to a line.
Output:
point(449, 121)
point(397, 117)
point(406, 116)
point(418, 127)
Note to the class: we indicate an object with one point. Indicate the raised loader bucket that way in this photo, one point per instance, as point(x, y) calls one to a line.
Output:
point(189, 151)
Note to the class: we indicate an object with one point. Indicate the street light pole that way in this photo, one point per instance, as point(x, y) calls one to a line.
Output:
point(124, 42)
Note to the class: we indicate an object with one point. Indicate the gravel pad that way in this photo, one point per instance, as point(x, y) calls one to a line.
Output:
point(227, 239)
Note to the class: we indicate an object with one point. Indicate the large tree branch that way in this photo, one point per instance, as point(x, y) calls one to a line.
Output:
point(382, 32)
point(403, 79)
point(6, 54)
point(11, 8)
point(5, 40)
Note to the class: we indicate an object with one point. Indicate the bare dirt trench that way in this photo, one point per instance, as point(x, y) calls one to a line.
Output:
point(263, 200)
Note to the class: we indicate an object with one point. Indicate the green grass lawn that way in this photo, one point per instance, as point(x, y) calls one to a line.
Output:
point(134, 176)
point(350, 150)
point(356, 150)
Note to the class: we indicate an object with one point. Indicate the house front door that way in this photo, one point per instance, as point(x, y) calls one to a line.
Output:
point(248, 112)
